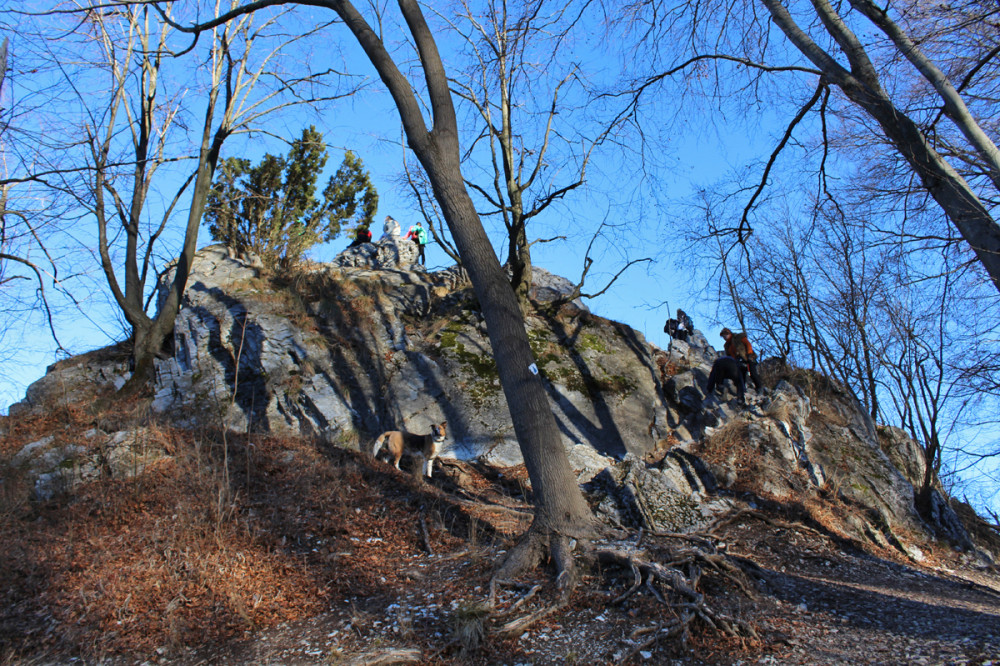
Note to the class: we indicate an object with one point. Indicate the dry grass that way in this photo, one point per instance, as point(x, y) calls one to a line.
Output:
point(985, 535)
point(226, 536)
point(233, 536)
point(728, 446)
point(815, 384)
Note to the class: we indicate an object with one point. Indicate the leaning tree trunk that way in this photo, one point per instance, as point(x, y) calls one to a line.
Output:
point(560, 507)
point(149, 337)
point(861, 85)
point(561, 513)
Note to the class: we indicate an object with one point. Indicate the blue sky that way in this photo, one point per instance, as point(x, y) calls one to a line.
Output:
point(368, 124)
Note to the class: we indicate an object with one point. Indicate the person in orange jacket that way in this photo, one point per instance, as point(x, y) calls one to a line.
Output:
point(738, 346)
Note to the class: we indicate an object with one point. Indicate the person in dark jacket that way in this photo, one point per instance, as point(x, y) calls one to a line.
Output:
point(738, 346)
point(727, 367)
point(361, 236)
point(680, 328)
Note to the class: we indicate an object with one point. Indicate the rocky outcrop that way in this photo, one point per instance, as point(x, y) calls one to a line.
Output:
point(387, 253)
point(367, 343)
point(56, 467)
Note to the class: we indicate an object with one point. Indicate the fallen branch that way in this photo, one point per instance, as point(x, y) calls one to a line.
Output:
point(387, 657)
point(515, 628)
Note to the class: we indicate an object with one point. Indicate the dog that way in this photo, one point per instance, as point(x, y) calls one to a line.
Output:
point(398, 442)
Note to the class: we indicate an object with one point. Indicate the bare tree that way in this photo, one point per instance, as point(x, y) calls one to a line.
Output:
point(522, 88)
point(136, 107)
point(905, 100)
point(561, 513)
point(827, 293)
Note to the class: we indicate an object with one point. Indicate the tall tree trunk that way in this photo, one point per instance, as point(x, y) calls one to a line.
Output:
point(519, 258)
point(560, 505)
point(149, 336)
point(561, 513)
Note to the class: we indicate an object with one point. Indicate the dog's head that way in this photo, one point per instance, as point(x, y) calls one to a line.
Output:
point(438, 431)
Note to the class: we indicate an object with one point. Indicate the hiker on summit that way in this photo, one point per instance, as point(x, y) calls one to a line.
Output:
point(418, 235)
point(680, 328)
point(738, 347)
point(361, 236)
point(390, 229)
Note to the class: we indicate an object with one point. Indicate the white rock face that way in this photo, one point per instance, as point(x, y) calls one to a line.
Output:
point(371, 343)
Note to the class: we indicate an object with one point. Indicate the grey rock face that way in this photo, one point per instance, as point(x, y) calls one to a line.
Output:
point(364, 348)
point(59, 467)
point(64, 382)
point(669, 499)
point(347, 350)
point(387, 252)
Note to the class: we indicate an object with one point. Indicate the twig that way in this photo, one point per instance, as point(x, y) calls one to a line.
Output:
point(679, 627)
point(517, 627)
point(655, 592)
point(425, 535)
point(638, 581)
point(520, 602)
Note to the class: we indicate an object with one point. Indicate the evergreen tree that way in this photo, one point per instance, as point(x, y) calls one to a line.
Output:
point(271, 209)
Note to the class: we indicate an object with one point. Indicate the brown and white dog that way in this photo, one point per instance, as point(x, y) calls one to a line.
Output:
point(398, 442)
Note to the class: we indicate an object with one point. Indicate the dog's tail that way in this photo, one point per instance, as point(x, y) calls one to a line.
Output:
point(378, 444)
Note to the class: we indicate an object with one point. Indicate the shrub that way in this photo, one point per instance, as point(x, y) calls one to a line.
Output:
point(271, 209)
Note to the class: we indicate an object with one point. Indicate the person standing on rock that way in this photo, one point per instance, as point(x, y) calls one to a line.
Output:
point(684, 326)
point(418, 235)
point(391, 228)
point(680, 328)
point(738, 347)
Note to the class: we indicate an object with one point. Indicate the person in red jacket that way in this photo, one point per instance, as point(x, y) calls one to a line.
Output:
point(361, 236)
point(738, 346)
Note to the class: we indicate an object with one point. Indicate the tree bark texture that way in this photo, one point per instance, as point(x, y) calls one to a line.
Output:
point(559, 505)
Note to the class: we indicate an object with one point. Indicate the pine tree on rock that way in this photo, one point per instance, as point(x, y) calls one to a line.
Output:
point(271, 209)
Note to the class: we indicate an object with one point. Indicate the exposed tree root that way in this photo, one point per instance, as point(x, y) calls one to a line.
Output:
point(669, 568)
point(530, 552)
point(679, 576)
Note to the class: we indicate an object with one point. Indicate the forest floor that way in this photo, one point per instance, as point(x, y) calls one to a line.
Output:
point(815, 603)
point(281, 551)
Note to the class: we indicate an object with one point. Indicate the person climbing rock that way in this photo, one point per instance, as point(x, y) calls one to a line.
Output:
point(738, 347)
point(727, 367)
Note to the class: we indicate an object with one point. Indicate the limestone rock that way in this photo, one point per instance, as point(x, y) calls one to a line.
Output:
point(387, 252)
point(56, 467)
point(371, 343)
point(630, 494)
point(65, 381)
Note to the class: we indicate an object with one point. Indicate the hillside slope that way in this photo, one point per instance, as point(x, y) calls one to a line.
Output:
point(234, 513)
